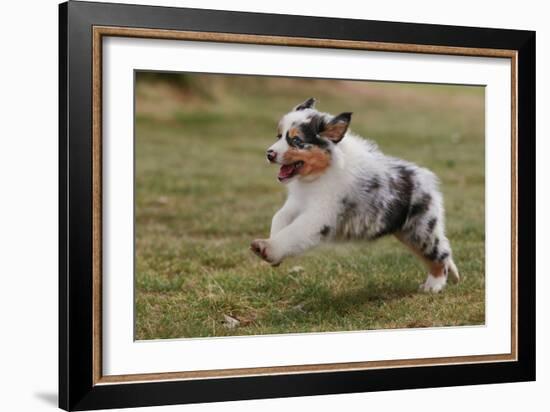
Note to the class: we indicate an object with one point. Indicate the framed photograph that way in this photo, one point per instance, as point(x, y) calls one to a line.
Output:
point(256, 206)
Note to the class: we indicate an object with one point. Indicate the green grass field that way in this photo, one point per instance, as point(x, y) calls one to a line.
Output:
point(204, 191)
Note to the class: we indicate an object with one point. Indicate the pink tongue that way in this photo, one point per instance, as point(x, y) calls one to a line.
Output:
point(286, 171)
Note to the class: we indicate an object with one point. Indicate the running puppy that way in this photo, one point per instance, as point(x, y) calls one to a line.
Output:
point(341, 186)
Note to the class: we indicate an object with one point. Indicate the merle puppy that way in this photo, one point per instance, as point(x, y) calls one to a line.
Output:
point(341, 186)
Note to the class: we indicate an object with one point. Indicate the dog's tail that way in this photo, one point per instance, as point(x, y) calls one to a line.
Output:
point(453, 271)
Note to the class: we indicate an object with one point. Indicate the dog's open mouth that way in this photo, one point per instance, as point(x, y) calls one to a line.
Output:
point(289, 170)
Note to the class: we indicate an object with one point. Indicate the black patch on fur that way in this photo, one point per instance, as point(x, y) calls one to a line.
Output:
point(434, 252)
point(420, 207)
point(397, 210)
point(349, 208)
point(310, 135)
point(348, 205)
point(309, 103)
point(413, 237)
point(431, 224)
point(325, 231)
point(372, 184)
point(393, 185)
point(443, 256)
point(311, 132)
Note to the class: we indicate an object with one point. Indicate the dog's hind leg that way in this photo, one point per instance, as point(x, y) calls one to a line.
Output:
point(438, 262)
point(426, 238)
point(424, 233)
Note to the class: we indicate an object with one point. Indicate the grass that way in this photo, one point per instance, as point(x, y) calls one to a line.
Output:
point(204, 191)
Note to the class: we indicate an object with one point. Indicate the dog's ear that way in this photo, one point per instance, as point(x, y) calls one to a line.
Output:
point(337, 127)
point(308, 104)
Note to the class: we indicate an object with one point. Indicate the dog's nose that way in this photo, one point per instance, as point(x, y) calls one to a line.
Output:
point(271, 155)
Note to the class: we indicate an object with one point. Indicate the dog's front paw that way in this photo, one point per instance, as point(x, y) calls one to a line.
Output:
point(262, 248)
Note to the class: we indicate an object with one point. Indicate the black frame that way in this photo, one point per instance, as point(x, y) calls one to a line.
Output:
point(76, 388)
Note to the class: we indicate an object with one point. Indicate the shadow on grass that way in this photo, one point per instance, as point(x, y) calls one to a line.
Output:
point(372, 295)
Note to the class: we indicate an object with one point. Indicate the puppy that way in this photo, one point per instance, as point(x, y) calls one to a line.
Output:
point(341, 186)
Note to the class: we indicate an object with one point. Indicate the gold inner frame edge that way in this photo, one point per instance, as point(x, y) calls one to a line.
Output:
point(99, 32)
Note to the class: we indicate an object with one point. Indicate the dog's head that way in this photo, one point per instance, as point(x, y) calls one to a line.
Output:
point(305, 141)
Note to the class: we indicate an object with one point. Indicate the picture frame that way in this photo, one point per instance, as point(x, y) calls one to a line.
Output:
point(83, 27)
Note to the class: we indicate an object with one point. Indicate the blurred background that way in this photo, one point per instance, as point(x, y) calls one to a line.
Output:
point(204, 190)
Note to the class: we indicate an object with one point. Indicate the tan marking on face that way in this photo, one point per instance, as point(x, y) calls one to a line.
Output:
point(316, 160)
point(294, 132)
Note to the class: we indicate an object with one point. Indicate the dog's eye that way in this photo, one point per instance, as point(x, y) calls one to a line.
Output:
point(296, 141)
